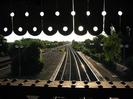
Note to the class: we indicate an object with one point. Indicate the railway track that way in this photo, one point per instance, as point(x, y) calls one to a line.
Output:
point(75, 68)
point(5, 66)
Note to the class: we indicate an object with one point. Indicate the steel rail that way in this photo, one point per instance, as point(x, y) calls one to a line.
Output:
point(79, 74)
point(54, 75)
point(64, 69)
point(70, 71)
point(83, 66)
point(90, 68)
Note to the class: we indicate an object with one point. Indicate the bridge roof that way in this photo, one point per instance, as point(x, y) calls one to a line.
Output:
point(22, 15)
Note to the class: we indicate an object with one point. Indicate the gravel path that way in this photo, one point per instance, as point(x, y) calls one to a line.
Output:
point(108, 75)
point(51, 60)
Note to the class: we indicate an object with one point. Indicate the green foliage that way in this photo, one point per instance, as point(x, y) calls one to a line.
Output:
point(106, 50)
point(86, 51)
point(3, 46)
point(87, 43)
point(62, 49)
point(111, 47)
point(98, 44)
point(32, 42)
point(94, 48)
point(48, 44)
point(28, 57)
point(78, 46)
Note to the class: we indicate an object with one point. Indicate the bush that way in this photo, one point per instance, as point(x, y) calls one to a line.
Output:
point(27, 58)
point(3, 46)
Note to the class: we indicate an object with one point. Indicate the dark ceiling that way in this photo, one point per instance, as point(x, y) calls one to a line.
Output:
point(49, 7)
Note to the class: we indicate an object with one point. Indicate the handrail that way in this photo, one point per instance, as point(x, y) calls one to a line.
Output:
point(99, 90)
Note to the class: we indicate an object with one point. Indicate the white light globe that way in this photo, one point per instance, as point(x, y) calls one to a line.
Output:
point(20, 29)
point(120, 13)
point(26, 14)
point(80, 28)
point(88, 13)
point(34, 29)
point(95, 28)
point(12, 14)
point(50, 28)
point(57, 13)
point(65, 28)
point(41, 14)
point(104, 13)
point(5, 29)
point(73, 13)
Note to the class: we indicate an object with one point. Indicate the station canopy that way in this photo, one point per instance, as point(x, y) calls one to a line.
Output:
point(64, 16)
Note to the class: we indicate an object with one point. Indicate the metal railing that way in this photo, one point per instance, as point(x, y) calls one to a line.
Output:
point(42, 89)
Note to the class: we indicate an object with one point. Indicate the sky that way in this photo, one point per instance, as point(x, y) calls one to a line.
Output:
point(57, 37)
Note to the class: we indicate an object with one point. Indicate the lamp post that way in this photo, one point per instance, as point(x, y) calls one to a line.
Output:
point(128, 30)
point(120, 13)
point(19, 47)
point(2, 42)
point(126, 46)
point(129, 33)
point(122, 46)
point(104, 13)
point(101, 52)
point(3, 46)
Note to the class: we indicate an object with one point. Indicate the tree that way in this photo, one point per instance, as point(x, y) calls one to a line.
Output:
point(94, 47)
point(111, 48)
point(77, 45)
point(3, 46)
point(29, 57)
point(98, 43)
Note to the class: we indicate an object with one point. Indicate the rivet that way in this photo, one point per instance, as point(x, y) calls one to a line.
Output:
point(73, 86)
point(37, 81)
point(61, 81)
point(127, 86)
point(25, 80)
point(100, 86)
point(86, 86)
point(85, 82)
point(33, 85)
point(123, 83)
point(14, 80)
point(113, 86)
point(21, 84)
point(46, 85)
point(110, 82)
point(74, 81)
point(59, 86)
point(98, 82)
point(49, 81)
